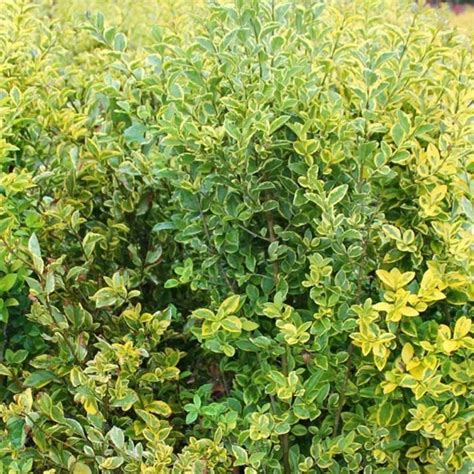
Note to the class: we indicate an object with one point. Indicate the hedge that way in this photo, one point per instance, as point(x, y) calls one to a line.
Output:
point(241, 243)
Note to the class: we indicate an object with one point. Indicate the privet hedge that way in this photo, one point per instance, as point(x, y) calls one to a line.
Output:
point(248, 252)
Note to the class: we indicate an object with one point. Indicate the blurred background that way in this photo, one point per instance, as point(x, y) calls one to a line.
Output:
point(461, 12)
point(134, 17)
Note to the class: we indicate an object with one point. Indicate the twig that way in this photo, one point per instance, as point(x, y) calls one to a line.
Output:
point(253, 234)
point(284, 438)
point(213, 251)
point(57, 440)
point(350, 351)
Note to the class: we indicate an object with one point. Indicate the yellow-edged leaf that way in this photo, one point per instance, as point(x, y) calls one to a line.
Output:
point(462, 327)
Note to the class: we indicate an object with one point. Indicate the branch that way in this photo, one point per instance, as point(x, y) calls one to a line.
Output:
point(284, 438)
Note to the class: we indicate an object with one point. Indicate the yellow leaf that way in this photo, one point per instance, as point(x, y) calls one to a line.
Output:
point(386, 278)
point(90, 406)
point(383, 307)
point(407, 353)
point(395, 279)
point(405, 278)
point(468, 343)
point(437, 295)
point(421, 307)
point(427, 346)
point(380, 362)
point(462, 327)
point(444, 332)
point(207, 328)
point(432, 154)
point(419, 391)
point(232, 324)
point(25, 400)
point(439, 192)
point(366, 347)
point(431, 362)
point(389, 387)
point(412, 364)
point(407, 311)
point(230, 305)
point(428, 279)
point(418, 372)
point(81, 468)
point(456, 280)
point(75, 377)
point(159, 407)
point(450, 345)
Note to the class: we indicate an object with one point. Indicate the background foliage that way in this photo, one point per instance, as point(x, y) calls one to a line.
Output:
point(235, 242)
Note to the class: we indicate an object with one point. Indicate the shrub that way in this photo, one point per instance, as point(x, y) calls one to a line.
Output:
point(246, 252)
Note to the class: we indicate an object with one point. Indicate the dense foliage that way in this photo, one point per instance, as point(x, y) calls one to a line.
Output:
point(239, 245)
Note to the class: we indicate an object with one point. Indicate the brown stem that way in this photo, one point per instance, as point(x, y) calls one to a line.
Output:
point(3, 344)
point(350, 350)
point(63, 335)
point(342, 401)
point(57, 440)
point(213, 251)
point(14, 253)
point(284, 438)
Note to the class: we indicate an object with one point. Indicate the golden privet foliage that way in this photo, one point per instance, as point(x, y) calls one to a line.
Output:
point(235, 237)
point(135, 18)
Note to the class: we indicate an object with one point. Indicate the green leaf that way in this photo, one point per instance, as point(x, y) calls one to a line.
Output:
point(120, 42)
point(337, 194)
point(392, 232)
point(35, 251)
point(113, 462)
point(171, 283)
point(90, 241)
point(191, 416)
point(135, 133)
point(401, 157)
point(7, 282)
point(153, 256)
point(203, 313)
point(240, 455)
point(384, 414)
point(5, 224)
point(457, 297)
point(278, 122)
point(321, 361)
point(33, 246)
point(398, 134)
point(16, 432)
point(404, 121)
point(164, 226)
point(323, 392)
point(117, 437)
point(248, 325)
point(50, 283)
point(39, 379)
point(16, 357)
point(228, 350)
point(105, 297)
point(176, 91)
